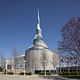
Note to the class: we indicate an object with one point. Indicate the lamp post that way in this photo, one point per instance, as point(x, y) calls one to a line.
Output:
point(44, 67)
point(6, 67)
point(60, 66)
point(24, 66)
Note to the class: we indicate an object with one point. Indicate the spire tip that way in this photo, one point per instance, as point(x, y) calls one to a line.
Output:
point(38, 17)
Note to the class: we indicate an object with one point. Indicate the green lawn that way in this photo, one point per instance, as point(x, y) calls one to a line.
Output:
point(72, 76)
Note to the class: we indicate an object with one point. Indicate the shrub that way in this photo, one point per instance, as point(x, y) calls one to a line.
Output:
point(70, 73)
point(28, 73)
point(73, 73)
point(48, 73)
point(10, 73)
point(78, 73)
point(66, 73)
point(42, 73)
point(21, 73)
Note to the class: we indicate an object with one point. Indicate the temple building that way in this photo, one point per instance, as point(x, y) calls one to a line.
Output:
point(38, 57)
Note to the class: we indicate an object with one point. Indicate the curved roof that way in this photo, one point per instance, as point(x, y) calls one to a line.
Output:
point(39, 43)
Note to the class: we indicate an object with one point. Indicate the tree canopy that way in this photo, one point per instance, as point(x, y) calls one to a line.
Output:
point(71, 37)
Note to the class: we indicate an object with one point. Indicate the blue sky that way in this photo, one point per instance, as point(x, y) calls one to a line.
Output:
point(18, 19)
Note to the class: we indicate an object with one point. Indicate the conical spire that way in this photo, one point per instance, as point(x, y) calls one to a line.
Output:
point(38, 24)
point(38, 30)
point(38, 18)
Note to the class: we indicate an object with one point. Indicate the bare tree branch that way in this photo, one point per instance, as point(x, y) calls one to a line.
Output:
point(44, 57)
point(71, 37)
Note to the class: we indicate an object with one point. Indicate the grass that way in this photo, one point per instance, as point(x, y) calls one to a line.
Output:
point(72, 76)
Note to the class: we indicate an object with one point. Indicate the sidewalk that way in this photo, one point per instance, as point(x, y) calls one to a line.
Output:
point(33, 77)
point(21, 77)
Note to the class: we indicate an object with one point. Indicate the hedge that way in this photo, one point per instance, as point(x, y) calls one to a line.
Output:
point(28, 73)
point(21, 73)
point(42, 73)
point(9, 73)
point(69, 73)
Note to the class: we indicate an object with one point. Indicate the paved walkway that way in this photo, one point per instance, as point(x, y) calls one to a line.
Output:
point(19, 77)
point(32, 77)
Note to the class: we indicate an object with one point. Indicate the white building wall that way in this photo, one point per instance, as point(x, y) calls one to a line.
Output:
point(34, 60)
